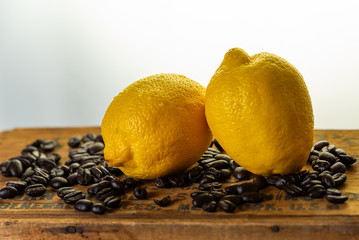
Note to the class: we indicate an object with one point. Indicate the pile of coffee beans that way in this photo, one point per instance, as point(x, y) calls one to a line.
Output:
point(39, 167)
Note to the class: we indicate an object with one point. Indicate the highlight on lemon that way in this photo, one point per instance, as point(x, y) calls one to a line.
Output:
point(156, 126)
point(259, 110)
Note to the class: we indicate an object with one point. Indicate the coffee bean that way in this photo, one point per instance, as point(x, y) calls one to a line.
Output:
point(61, 192)
point(15, 168)
point(252, 197)
point(89, 137)
point(8, 192)
point(112, 202)
point(225, 173)
point(55, 156)
point(105, 193)
point(162, 182)
point(316, 186)
point(164, 202)
point(207, 179)
point(316, 193)
point(194, 194)
point(114, 171)
point(58, 182)
point(320, 144)
point(201, 199)
point(210, 206)
point(328, 181)
point(213, 150)
point(84, 176)
point(340, 152)
point(73, 197)
point(312, 159)
point(46, 163)
point(96, 147)
point(241, 174)
point(38, 180)
point(337, 199)
point(88, 165)
point(337, 167)
point(260, 181)
point(218, 164)
point(272, 179)
point(99, 208)
point(72, 179)
point(58, 172)
point(47, 145)
point(223, 157)
point(130, 182)
point(140, 193)
point(43, 173)
point(339, 179)
point(247, 187)
point(35, 190)
point(314, 152)
point(195, 174)
point(205, 161)
point(236, 199)
point(214, 172)
point(74, 141)
point(322, 174)
point(74, 167)
point(233, 165)
point(227, 206)
point(83, 205)
point(327, 156)
point(333, 191)
point(347, 160)
point(176, 181)
point(118, 186)
point(321, 165)
point(209, 186)
point(19, 185)
point(292, 190)
point(95, 188)
point(302, 174)
point(218, 193)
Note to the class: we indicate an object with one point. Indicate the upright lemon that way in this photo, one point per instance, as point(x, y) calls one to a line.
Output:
point(156, 126)
point(259, 109)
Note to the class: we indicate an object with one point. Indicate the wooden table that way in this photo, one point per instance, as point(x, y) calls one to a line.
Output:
point(278, 217)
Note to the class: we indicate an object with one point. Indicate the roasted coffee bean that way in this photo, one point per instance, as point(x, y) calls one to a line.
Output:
point(19, 185)
point(340, 152)
point(217, 145)
point(209, 186)
point(328, 181)
point(225, 173)
point(272, 179)
point(74, 141)
point(35, 190)
point(292, 190)
point(316, 186)
point(176, 181)
point(79, 151)
point(105, 193)
point(333, 191)
point(213, 150)
point(210, 206)
point(252, 197)
point(201, 199)
point(337, 167)
point(347, 160)
point(28, 150)
point(95, 188)
point(58, 172)
point(47, 145)
point(218, 164)
point(320, 144)
point(58, 182)
point(72, 179)
point(312, 159)
point(236, 199)
point(312, 183)
point(206, 156)
point(109, 178)
point(260, 181)
point(96, 147)
point(74, 167)
point(207, 179)
point(241, 174)
point(112, 202)
point(61, 192)
point(88, 165)
point(37, 143)
point(130, 182)
point(99, 208)
point(218, 193)
point(162, 182)
point(5, 171)
point(46, 163)
point(164, 202)
point(223, 157)
point(325, 149)
point(91, 159)
point(292, 178)
point(83, 205)
point(8, 192)
point(214, 172)
point(195, 174)
point(321, 165)
point(114, 171)
point(43, 173)
point(55, 156)
point(89, 137)
point(302, 174)
point(314, 152)
point(240, 188)
point(307, 179)
point(316, 193)
point(15, 168)
point(337, 199)
point(140, 193)
point(205, 161)
point(326, 172)
point(227, 206)
point(339, 179)
point(38, 179)
point(73, 197)
point(118, 186)
point(332, 149)
point(233, 164)
point(194, 194)
point(99, 138)
point(327, 156)
point(84, 176)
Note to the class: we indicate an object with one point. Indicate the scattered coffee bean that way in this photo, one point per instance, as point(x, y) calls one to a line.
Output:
point(346, 159)
point(210, 206)
point(61, 192)
point(99, 208)
point(337, 199)
point(209, 186)
point(83, 205)
point(140, 193)
point(227, 206)
point(337, 167)
point(241, 174)
point(164, 202)
point(84, 176)
point(35, 190)
point(194, 174)
point(292, 190)
point(328, 181)
point(38, 179)
point(333, 191)
point(162, 182)
point(320, 144)
point(58, 182)
point(130, 182)
point(73, 197)
point(19, 185)
point(252, 197)
point(8, 192)
point(47, 145)
point(260, 181)
point(72, 179)
point(118, 186)
point(105, 193)
point(236, 199)
point(112, 201)
point(200, 199)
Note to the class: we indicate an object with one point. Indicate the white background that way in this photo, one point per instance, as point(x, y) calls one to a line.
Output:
point(62, 62)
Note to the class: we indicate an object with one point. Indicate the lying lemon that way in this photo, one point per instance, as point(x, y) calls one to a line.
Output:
point(259, 109)
point(156, 126)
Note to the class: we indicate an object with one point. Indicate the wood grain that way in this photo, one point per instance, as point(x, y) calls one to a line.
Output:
point(278, 217)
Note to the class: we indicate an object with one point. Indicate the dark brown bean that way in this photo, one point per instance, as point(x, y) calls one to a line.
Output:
point(35, 190)
point(292, 190)
point(58, 182)
point(327, 156)
point(164, 202)
point(333, 191)
point(347, 160)
point(99, 208)
point(112, 202)
point(8, 192)
point(176, 181)
point(207, 179)
point(47, 145)
point(316, 193)
point(84, 176)
point(73, 197)
point(19, 185)
point(118, 186)
point(83, 205)
point(252, 197)
point(223, 157)
point(233, 165)
point(339, 179)
point(337, 167)
point(227, 206)
point(38, 179)
point(218, 164)
point(201, 199)
point(209, 186)
point(337, 199)
point(140, 193)
point(210, 206)
point(320, 144)
point(241, 174)
point(61, 192)
point(72, 179)
point(96, 147)
point(130, 182)
point(236, 199)
point(328, 181)
point(15, 168)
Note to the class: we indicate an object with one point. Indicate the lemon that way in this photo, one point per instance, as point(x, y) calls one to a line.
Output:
point(259, 109)
point(156, 126)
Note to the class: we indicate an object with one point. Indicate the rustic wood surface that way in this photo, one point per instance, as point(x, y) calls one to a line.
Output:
point(278, 217)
